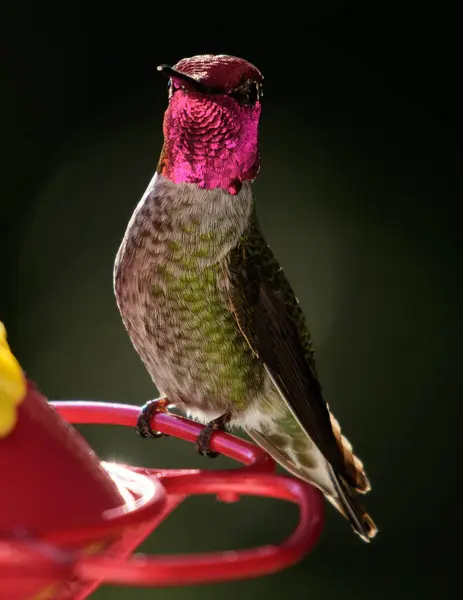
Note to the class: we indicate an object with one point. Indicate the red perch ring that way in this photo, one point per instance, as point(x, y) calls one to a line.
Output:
point(152, 494)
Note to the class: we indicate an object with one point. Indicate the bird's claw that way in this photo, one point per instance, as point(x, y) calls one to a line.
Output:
point(203, 441)
point(148, 410)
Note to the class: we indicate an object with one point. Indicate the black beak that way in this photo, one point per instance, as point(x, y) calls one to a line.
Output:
point(187, 81)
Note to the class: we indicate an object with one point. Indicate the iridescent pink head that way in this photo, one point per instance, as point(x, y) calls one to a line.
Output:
point(211, 123)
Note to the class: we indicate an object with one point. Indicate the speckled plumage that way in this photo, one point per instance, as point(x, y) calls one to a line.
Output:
point(171, 281)
point(206, 304)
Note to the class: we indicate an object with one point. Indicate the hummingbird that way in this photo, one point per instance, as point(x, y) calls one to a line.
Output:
point(205, 302)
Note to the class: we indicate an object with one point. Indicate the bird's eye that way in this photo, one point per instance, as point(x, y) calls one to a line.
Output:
point(248, 93)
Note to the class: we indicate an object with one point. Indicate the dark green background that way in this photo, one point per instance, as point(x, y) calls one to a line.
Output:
point(359, 197)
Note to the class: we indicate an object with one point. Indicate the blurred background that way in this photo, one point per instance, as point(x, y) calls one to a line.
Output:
point(359, 198)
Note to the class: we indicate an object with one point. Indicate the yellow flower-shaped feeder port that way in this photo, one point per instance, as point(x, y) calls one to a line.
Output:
point(12, 386)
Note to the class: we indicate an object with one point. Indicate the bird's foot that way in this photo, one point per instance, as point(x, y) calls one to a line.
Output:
point(148, 410)
point(203, 441)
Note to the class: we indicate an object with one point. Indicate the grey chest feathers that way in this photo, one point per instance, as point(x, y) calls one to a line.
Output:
point(172, 287)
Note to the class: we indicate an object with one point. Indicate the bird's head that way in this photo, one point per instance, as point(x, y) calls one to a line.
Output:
point(211, 122)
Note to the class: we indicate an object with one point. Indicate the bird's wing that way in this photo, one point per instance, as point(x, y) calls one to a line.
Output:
point(270, 318)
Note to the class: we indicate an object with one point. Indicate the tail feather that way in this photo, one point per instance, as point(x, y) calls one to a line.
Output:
point(348, 503)
point(298, 454)
point(353, 463)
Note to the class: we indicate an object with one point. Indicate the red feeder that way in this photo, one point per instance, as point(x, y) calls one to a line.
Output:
point(69, 523)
